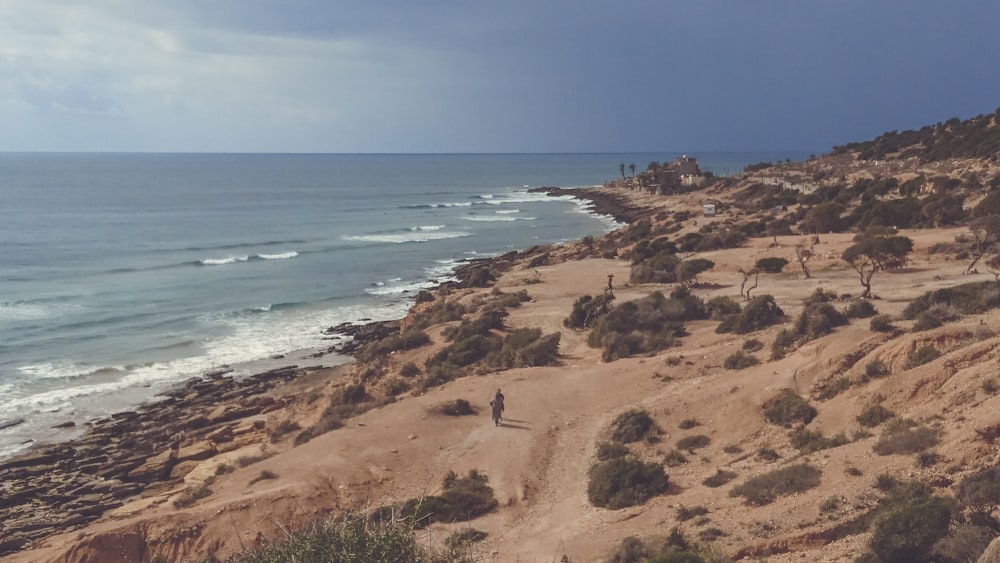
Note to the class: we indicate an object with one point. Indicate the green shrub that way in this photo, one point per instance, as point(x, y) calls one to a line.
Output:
point(789, 408)
point(818, 319)
point(631, 550)
point(462, 499)
point(688, 424)
point(874, 415)
point(782, 342)
point(832, 387)
point(881, 323)
point(684, 513)
point(408, 340)
point(353, 538)
point(673, 458)
point(771, 265)
point(645, 325)
point(588, 309)
point(765, 488)
point(981, 488)
point(721, 307)
point(633, 425)
point(935, 316)
point(760, 312)
point(923, 355)
point(458, 407)
point(483, 325)
point(768, 454)
point(694, 442)
point(396, 387)
point(264, 475)
point(752, 345)
point(860, 309)
point(927, 459)
point(409, 369)
point(720, 478)
point(740, 360)
point(526, 347)
point(966, 299)
point(620, 482)
point(809, 441)
point(465, 538)
point(904, 436)
point(820, 296)
point(441, 373)
point(465, 351)
point(353, 394)
point(876, 368)
point(611, 450)
point(910, 521)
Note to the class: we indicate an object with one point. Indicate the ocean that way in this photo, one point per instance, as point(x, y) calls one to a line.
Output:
point(124, 274)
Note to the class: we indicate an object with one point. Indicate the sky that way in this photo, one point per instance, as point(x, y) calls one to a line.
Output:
point(430, 76)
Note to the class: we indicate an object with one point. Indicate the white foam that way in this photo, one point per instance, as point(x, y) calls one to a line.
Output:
point(507, 211)
point(428, 228)
point(279, 256)
point(224, 261)
point(410, 236)
point(21, 311)
point(496, 218)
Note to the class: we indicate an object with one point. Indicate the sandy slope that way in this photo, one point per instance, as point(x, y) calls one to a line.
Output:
point(537, 462)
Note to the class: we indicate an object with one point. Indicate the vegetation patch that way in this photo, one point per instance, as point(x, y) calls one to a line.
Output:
point(720, 478)
point(634, 425)
point(673, 458)
point(923, 355)
point(771, 265)
point(611, 450)
point(904, 436)
point(966, 299)
point(788, 409)
point(760, 312)
point(458, 407)
point(462, 499)
point(881, 323)
point(353, 538)
point(740, 360)
point(981, 488)
point(626, 481)
point(860, 309)
point(809, 441)
point(910, 521)
point(766, 488)
point(694, 442)
point(408, 340)
point(645, 325)
point(874, 415)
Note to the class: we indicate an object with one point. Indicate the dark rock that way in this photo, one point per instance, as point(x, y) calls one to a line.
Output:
point(10, 423)
point(67, 424)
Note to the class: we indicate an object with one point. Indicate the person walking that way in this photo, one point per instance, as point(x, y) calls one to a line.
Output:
point(497, 403)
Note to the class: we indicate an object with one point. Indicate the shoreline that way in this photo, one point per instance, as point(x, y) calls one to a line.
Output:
point(64, 485)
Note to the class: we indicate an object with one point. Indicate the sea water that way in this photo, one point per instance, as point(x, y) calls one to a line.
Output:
point(122, 274)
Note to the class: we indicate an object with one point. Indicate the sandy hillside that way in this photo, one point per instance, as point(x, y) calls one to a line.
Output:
point(537, 461)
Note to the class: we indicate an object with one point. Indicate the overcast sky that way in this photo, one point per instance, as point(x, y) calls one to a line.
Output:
point(487, 76)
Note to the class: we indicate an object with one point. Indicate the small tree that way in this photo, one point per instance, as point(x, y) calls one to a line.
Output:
point(986, 232)
point(875, 254)
point(688, 270)
point(631, 168)
point(747, 274)
point(803, 252)
point(621, 169)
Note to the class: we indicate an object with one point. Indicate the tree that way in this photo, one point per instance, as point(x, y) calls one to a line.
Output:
point(688, 270)
point(993, 265)
point(621, 169)
point(747, 274)
point(631, 168)
point(803, 252)
point(986, 230)
point(875, 254)
point(824, 218)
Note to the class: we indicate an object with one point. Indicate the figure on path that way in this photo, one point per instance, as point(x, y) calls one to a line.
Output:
point(497, 403)
point(611, 284)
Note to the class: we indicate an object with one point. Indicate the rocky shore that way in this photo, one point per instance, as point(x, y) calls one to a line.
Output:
point(150, 450)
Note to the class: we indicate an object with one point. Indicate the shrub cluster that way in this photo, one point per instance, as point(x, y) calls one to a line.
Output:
point(676, 548)
point(860, 309)
point(809, 441)
point(789, 408)
point(408, 340)
point(874, 415)
point(625, 481)
point(764, 489)
point(966, 299)
point(645, 325)
point(772, 265)
point(740, 360)
point(904, 436)
point(462, 499)
point(693, 442)
point(923, 355)
point(760, 312)
point(588, 309)
point(720, 478)
point(634, 425)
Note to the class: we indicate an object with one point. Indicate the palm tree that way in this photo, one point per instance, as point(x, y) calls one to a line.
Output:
point(631, 168)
